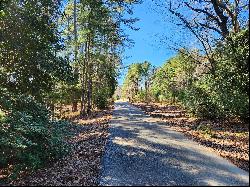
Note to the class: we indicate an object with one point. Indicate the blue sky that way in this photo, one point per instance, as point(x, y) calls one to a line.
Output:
point(157, 33)
point(150, 41)
point(148, 45)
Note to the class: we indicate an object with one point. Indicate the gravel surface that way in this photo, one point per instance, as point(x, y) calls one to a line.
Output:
point(142, 151)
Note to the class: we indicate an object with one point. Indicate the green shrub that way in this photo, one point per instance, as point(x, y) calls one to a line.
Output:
point(211, 93)
point(206, 130)
point(140, 97)
point(198, 101)
point(101, 101)
point(29, 139)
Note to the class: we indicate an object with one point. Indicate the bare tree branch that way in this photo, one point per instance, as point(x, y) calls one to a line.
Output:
point(187, 24)
point(203, 11)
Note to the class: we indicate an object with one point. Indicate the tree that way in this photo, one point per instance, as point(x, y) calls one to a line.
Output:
point(210, 21)
point(145, 74)
point(30, 65)
point(136, 78)
point(29, 46)
point(99, 41)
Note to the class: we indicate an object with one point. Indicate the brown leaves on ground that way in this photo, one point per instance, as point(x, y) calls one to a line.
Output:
point(229, 138)
point(82, 165)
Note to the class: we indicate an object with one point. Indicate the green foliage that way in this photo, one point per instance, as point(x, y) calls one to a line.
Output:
point(94, 38)
point(104, 83)
point(231, 82)
point(175, 75)
point(206, 130)
point(30, 66)
point(198, 102)
point(54, 52)
point(140, 96)
point(211, 93)
point(29, 139)
point(29, 45)
point(101, 101)
point(136, 78)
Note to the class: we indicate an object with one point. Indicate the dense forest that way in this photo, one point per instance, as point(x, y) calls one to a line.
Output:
point(55, 53)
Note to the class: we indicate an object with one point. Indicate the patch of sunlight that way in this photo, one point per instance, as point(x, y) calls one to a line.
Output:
point(213, 182)
point(174, 162)
point(2, 115)
point(120, 118)
point(151, 120)
point(135, 144)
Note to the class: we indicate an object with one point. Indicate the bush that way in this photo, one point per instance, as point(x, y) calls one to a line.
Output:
point(210, 93)
point(101, 101)
point(231, 80)
point(102, 97)
point(140, 97)
point(198, 102)
point(29, 139)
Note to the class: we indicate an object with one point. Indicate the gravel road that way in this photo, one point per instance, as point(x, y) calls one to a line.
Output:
point(141, 151)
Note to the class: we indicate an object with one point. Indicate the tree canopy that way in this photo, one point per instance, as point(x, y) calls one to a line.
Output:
point(54, 53)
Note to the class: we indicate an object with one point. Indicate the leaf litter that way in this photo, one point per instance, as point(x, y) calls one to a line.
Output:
point(81, 167)
point(228, 137)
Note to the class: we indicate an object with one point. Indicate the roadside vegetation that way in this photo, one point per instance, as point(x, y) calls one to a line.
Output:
point(53, 54)
point(59, 63)
point(209, 83)
point(212, 93)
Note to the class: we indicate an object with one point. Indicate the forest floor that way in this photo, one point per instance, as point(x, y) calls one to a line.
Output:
point(81, 166)
point(229, 138)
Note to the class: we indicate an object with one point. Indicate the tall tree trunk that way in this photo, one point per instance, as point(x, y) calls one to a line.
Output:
point(75, 31)
point(74, 101)
point(89, 95)
point(89, 92)
point(74, 105)
point(146, 91)
point(84, 79)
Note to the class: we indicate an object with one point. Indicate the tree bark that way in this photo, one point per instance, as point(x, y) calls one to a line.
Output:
point(74, 106)
point(75, 31)
point(74, 102)
point(84, 79)
point(146, 91)
point(89, 95)
point(89, 69)
point(223, 18)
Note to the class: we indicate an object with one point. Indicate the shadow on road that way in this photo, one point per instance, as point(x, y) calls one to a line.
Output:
point(142, 152)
